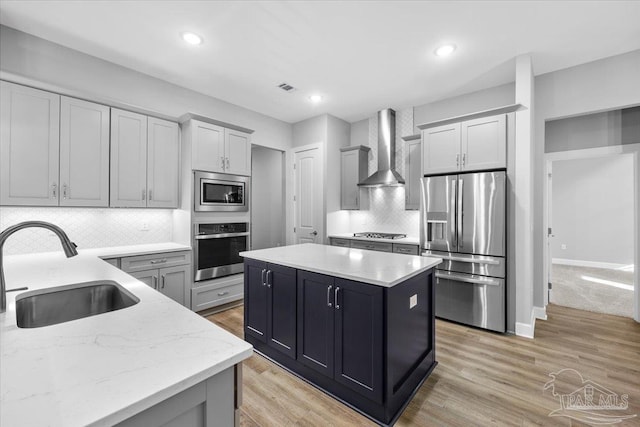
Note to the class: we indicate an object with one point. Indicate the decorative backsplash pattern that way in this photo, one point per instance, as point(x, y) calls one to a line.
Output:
point(87, 228)
point(386, 204)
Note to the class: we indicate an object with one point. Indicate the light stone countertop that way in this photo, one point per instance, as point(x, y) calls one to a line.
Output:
point(377, 268)
point(409, 240)
point(102, 369)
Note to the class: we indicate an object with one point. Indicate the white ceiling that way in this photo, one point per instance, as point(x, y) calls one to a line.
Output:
point(361, 56)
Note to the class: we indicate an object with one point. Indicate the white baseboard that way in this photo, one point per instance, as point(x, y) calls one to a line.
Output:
point(526, 329)
point(540, 312)
point(583, 263)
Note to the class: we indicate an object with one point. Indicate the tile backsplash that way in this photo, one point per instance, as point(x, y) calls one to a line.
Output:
point(87, 228)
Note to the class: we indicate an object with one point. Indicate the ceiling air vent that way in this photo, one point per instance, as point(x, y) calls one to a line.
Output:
point(286, 87)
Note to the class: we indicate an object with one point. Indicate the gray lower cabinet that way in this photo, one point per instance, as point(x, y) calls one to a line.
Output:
point(211, 403)
point(400, 248)
point(166, 272)
point(212, 293)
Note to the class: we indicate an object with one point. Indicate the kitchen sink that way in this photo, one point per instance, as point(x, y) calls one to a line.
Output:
point(51, 306)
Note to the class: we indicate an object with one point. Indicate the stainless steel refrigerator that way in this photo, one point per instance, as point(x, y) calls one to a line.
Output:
point(464, 223)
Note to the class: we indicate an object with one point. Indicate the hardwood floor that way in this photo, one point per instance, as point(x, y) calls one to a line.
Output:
point(482, 378)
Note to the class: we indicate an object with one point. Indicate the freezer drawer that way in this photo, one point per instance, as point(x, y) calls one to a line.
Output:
point(471, 299)
point(480, 265)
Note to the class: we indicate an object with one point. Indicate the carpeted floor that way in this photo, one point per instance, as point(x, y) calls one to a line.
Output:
point(593, 289)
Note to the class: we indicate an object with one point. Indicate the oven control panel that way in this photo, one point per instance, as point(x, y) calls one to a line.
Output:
point(222, 228)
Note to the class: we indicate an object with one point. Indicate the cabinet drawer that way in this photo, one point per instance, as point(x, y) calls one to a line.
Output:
point(158, 260)
point(406, 249)
point(372, 246)
point(212, 295)
point(340, 242)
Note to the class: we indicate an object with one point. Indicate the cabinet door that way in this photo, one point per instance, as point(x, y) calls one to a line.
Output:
point(128, 159)
point(281, 283)
point(84, 153)
point(349, 176)
point(441, 149)
point(29, 146)
point(207, 147)
point(412, 174)
point(163, 163)
point(255, 299)
point(237, 147)
point(148, 277)
point(358, 337)
point(316, 322)
point(173, 282)
point(484, 143)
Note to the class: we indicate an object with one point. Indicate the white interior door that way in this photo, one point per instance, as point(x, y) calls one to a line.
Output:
point(308, 190)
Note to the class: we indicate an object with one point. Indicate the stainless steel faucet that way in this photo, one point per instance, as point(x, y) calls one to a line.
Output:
point(67, 245)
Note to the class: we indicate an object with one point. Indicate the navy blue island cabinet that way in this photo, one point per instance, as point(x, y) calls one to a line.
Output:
point(367, 345)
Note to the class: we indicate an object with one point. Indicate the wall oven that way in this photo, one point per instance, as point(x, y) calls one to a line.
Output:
point(218, 192)
point(217, 246)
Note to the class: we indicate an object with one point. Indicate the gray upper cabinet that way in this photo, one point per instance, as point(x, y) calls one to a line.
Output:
point(354, 167)
point(218, 149)
point(128, 159)
point(29, 146)
point(476, 144)
point(484, 143)
point(163, 163)
point(412, 173)
point(84, 153)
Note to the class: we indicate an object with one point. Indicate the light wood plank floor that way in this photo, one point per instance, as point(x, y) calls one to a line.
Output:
point(482, 378)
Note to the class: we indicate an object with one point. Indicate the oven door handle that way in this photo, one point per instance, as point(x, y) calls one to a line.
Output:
point(219, 236)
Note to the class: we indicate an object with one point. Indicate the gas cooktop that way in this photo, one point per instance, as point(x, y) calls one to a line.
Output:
point(373, 235)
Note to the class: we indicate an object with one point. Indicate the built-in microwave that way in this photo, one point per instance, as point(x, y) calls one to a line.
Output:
point(220, 192)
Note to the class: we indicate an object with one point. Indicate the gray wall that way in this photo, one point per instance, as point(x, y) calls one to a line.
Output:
point(592, 204)
point(464, 104)
point(360, 133)
point(607, 84)
point(54, 67)
point(267, 198)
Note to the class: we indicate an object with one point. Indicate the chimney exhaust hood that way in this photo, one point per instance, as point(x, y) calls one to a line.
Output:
point(386, 175)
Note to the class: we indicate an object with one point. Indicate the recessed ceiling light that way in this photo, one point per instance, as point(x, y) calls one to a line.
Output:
point(445, 50)
point(315, 98)
point(191, 38)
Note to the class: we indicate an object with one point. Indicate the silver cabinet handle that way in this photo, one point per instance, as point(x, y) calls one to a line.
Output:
point(64, 191)
point(269, 275)
point(264, 283)
point(335, 298)
point(150, 198)
point(54, 190)
point(221, 294)
point(464, 159)
point(222, 163)
point(329, 295)
point(144, 194)
point(476, 281)
point(158, 261)
point(164, 279)
point(458, 160)
point(154, 282)
point(228, 165)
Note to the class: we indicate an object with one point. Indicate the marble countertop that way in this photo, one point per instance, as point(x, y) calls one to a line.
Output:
point(377, 268)
point(409, 240)
point(102, 369)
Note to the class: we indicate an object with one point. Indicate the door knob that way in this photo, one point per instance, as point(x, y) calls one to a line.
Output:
point(314, 233)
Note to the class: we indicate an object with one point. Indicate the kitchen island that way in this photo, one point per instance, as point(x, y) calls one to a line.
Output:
point(148, 364)
point(357, 324)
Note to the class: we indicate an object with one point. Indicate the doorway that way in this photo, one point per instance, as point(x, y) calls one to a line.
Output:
point(267, 198)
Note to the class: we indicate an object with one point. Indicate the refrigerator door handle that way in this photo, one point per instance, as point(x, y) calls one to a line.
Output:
point(452, 217)
point(483, 281)
point(459, 212)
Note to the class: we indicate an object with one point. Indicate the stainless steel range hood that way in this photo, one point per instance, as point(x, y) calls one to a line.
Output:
point(386, 175)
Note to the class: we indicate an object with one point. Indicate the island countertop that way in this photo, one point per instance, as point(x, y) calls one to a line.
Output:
point(102, 369)
point(376, 268)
